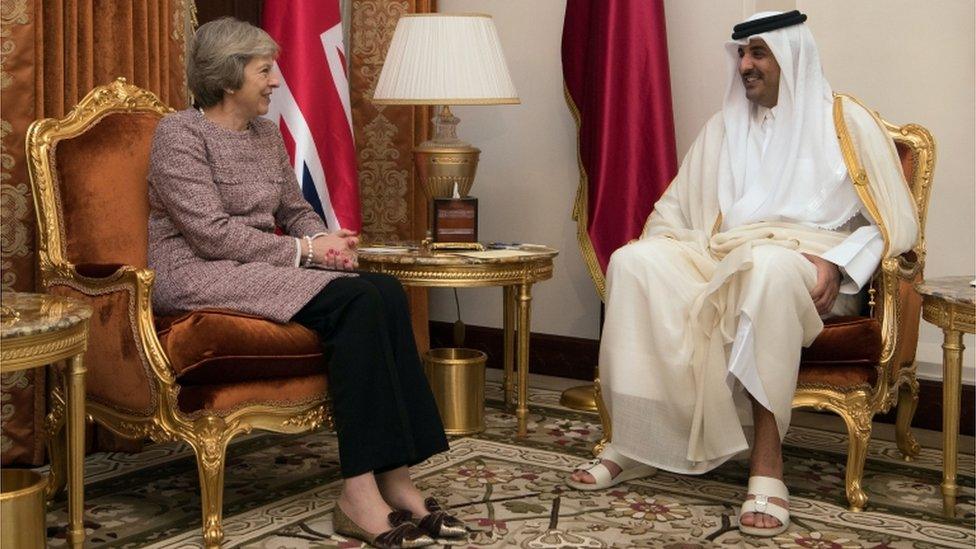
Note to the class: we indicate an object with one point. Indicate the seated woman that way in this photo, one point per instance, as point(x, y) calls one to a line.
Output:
point(220, 182)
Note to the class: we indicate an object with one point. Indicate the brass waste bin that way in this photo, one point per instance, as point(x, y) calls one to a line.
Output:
point(22, 509)
point(457, 379)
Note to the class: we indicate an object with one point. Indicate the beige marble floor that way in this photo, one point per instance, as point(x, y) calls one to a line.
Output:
point(821, 420)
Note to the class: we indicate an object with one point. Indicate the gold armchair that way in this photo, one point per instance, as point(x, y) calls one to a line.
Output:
point(858, 365)
point(203, 377)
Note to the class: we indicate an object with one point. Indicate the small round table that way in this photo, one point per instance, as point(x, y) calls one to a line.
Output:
point(948, 302)
point(515, 270)
point(40, 329)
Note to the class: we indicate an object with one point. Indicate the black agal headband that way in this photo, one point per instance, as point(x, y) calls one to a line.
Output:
point(773, 22)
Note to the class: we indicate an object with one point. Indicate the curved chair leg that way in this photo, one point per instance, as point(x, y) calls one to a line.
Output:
point(858, 432)
point(209, 441)
point(907, 403)
point(605, 421)
point(56, 442)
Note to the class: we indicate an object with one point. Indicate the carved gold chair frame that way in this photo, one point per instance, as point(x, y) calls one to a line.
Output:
point(208, 433)
point(858, 404)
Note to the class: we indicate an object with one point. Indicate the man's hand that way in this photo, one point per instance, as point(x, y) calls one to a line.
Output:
point(824, 293)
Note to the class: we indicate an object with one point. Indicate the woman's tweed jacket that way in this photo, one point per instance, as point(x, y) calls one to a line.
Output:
point(215, 197)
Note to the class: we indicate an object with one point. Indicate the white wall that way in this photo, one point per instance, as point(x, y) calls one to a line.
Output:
point(912, 61)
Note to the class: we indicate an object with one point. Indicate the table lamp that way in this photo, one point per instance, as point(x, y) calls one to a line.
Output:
point(445, 59)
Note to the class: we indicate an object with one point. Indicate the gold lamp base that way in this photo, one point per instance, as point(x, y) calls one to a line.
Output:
point(446, 166)
point(442, 166)
point(444, 170)
point(582, 397)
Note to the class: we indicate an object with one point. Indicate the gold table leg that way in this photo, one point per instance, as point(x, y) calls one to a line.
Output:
point(75, 388)
point(952, 349)
point(508, 311)
point(524, 309)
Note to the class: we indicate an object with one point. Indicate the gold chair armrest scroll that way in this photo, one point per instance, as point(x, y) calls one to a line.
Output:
point(127, 368)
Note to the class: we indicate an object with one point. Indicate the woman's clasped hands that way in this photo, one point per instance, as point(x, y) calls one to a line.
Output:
point(336, 250)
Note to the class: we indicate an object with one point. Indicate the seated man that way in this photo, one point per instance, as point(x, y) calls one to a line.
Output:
point(767, 227)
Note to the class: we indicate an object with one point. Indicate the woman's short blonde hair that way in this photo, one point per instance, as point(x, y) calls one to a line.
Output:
point(218, 53)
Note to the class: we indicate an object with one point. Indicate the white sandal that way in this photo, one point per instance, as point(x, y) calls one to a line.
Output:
point(629, 470)
point(763, 489)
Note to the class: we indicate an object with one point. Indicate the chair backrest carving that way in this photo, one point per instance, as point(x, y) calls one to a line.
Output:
point(916, 148)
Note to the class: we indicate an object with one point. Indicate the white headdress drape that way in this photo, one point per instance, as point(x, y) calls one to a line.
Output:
point(802, 173)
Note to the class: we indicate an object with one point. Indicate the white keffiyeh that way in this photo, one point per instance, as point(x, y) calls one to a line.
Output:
point(800, 177)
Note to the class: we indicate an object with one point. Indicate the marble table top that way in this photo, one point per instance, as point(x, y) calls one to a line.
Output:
point(26, 314)
point(954, 289)
point(411, 254)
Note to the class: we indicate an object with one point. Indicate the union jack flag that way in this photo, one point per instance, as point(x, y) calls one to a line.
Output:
point(311, 106)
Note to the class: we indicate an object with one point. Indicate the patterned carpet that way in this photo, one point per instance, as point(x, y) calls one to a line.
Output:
point(280, 489)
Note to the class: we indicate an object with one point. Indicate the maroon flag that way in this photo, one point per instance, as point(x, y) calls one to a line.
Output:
point(615, 64)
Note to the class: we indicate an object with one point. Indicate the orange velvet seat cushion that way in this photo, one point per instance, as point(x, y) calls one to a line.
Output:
point(227, 397)
point(845, 353)
point(210, 347)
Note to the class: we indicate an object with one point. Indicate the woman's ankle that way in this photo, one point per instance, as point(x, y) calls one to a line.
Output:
point(406, 497)
point(362, 492)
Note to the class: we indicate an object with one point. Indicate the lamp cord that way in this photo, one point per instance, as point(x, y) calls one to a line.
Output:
point(458, 325)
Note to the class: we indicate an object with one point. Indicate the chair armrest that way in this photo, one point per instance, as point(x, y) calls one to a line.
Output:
point(126, 366)
point(899, 310)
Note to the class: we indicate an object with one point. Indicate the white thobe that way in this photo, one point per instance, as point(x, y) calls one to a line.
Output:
point(857, 258)
point(678, 296)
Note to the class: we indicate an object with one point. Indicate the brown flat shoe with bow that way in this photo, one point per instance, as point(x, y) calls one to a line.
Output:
point(403, 534)
point(439, 524)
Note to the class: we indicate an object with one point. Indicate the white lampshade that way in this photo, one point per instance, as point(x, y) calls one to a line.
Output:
point(445, 59)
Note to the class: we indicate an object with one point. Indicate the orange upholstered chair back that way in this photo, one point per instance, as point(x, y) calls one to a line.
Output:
point(102, 190)
point(91, 167)
point(907, 160)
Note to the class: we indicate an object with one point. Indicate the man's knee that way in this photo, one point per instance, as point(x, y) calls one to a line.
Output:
point(774, 264)
point(642, 254)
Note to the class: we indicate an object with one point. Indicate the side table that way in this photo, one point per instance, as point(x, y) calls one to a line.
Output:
point(948, 303)
point(39, 329)
point(514, 270)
